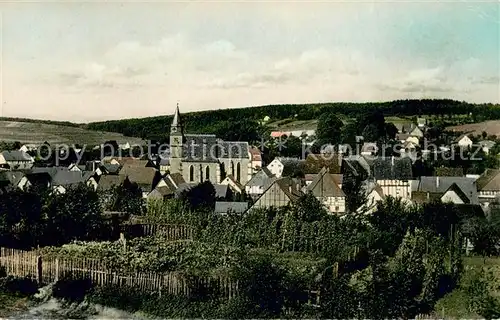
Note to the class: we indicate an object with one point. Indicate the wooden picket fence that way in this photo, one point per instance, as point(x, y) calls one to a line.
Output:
point(171, 232)
point(46, 270)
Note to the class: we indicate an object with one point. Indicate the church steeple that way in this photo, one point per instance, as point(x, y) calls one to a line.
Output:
point(176, 126)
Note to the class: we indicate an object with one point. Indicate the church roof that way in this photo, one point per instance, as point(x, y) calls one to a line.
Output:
point(177, 118)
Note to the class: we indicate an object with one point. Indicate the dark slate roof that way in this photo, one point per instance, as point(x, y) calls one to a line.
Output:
point(263, 178)
point(439, 185)
point(160, 192)
point(235, 207)
point(392, 168)
point(324, 185)
point(111, 168)
point(65, 178)
point(106, 182)
point(138, 174)
point(12, 177)
point(489, 180)
point(233, 149)
point(16, 155)
point(200, 148)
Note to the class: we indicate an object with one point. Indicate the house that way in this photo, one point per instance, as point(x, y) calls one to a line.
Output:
point(108, 169)
point(145, 177)
point(223, 207)
point(326, 190)
point(64, 179)
point(412, 130)
point(369, 149)
point(458, 190)
point(107, 182)
point(77, 167)
point(28, 147)
point(16, 160)
point(393, 175)
point(421, 122)
point(283, 166)
point(282, 192)
point(374, 195)
point(255, 159)
point(11, 180)
point(235, 186)
point(463, 141)
point(487, 145)
point(259, 183)
point(488, 187)
point(337, 177)
point(315, 162)
point(357, 165)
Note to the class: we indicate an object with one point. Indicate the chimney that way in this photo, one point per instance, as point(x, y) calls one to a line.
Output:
point(437, 182)
point(428, 197)
point(392, 160)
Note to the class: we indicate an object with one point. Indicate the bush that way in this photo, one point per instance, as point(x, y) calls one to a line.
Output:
point(22, 286)
point(71, 288)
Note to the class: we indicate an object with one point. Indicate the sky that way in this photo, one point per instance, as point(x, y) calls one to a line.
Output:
point(88, 61)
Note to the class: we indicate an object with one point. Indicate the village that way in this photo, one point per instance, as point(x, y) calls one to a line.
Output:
point(243, 182)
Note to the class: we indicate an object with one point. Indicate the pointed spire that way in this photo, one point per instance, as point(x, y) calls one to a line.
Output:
point(177, 117)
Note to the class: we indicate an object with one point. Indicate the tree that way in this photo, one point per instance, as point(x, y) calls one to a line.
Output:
point(370, 133)
point(352, 186)
point(309, 209)
point(329, 129)
point(200, 197)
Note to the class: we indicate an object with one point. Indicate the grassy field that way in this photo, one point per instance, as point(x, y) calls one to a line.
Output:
point(33, 132)
point(490, 127)
point(11, 304)
point(455, 304)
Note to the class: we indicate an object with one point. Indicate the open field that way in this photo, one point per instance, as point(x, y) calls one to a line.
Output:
point(33, 132)
point(289, 124)
point(491, 127)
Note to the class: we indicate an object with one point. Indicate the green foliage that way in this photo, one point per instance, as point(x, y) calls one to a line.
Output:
point(126, 197)
point(481, 300)
point(29, 219)
point(329, 129)
point(200, 197)
point(205, 121)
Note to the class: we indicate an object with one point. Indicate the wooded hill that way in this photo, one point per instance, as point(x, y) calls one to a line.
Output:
point(217, 120)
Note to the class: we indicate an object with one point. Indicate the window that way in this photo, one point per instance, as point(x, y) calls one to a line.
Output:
point(207, 173)
point(337, 209)
point(191, 173)
point(238, 171)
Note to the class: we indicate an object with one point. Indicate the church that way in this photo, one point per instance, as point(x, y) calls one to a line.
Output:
point(201, 157)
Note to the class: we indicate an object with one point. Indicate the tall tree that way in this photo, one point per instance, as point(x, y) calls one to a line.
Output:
point(329, 128)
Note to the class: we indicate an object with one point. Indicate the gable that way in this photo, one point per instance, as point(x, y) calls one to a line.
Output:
point(274, 196)
point(452, 196)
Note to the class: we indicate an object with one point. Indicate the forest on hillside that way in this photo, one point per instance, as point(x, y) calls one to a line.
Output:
point(215, 121)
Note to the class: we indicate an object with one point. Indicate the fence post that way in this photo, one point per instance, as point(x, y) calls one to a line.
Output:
point(39, 270)
point(57, 270)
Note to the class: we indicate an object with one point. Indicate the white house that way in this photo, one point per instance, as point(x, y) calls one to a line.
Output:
point(464, 141)
point(277, 166)
point(15, 160)
point(393, 175)
point(488, 186)
point(326, 190)
point(259, 183)
point(374, 195)
point(487, 145)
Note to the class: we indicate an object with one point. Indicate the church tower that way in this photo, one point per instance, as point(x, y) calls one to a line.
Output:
point(176, 141)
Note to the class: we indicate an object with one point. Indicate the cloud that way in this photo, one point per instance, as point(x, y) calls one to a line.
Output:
point(338, 73)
